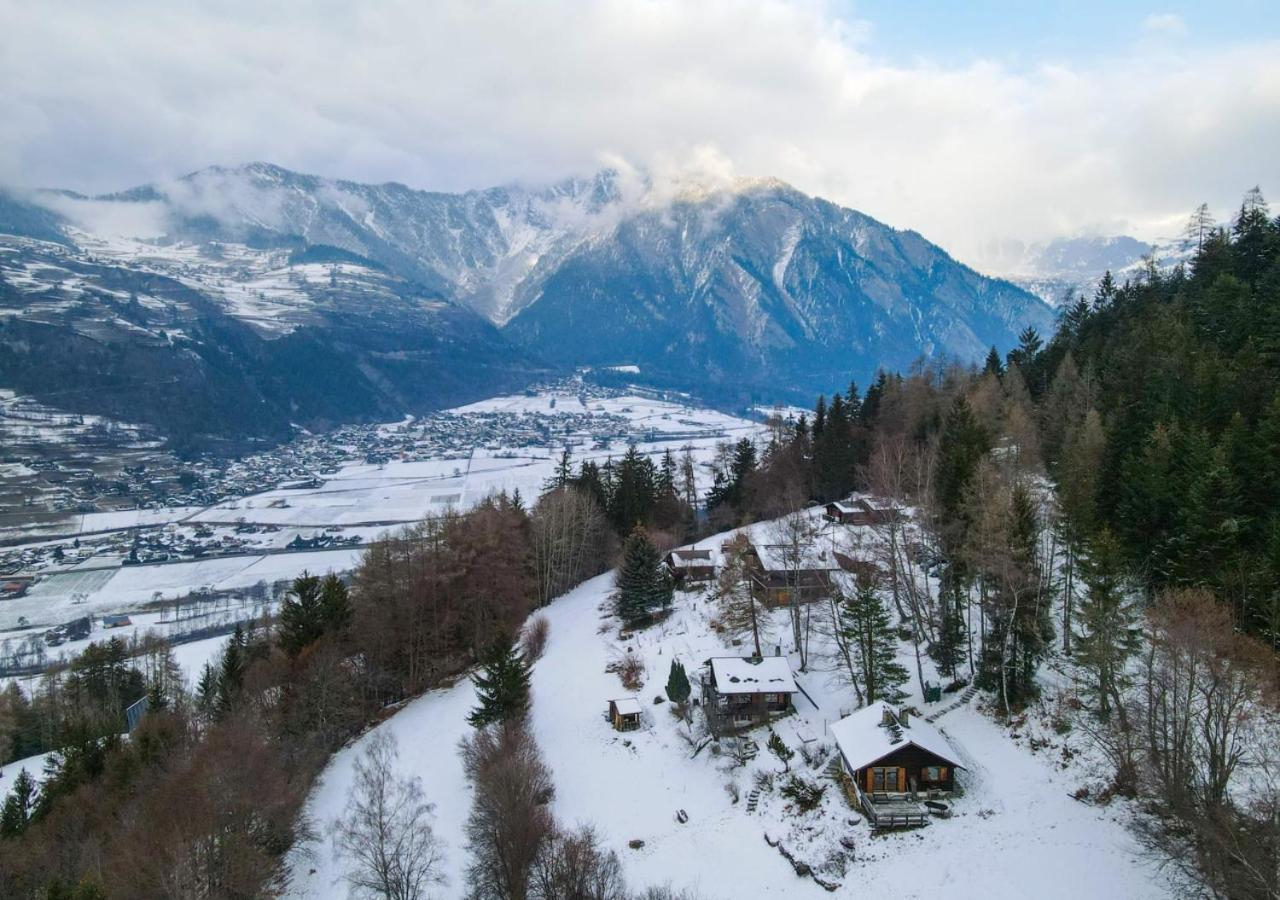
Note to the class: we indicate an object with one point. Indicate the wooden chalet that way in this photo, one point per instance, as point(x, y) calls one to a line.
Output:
point(891, 765)
point(624, 714)
point(739, 692)
point(780, 578)
point(861, 512)
point(691, 565)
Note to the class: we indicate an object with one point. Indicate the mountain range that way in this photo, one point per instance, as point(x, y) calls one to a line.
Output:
point(292, 299)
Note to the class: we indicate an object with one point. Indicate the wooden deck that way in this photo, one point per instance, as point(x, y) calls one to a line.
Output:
point(886, 811)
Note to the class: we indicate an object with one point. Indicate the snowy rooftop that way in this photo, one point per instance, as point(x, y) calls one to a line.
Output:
point(778, 558)
point(627, 706)
point(862, 738)
point(770, 675)
point(691, 556)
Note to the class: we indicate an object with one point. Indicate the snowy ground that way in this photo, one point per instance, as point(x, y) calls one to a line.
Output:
point(1016, 831)
point(363, 500)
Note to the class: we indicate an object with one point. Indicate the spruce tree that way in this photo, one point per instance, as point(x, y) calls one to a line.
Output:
point(502, 686)
point(18, 807)
point(299, 621)
point(678, 688)
point(1107, 618)
point(873, 646)
point(335, 605)
point(643, 585)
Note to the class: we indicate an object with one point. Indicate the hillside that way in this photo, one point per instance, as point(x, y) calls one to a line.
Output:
point(1016, 831)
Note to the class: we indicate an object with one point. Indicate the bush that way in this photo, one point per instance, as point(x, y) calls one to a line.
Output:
point(805, 794)
point(533, 641)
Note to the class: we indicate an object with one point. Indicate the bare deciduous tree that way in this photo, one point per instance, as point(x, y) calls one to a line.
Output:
point(509, 819)
point(386, 833)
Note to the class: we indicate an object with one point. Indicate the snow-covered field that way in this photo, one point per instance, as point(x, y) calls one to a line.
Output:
point(1016, 832)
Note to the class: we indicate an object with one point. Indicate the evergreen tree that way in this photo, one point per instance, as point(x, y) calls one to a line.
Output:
point(643, 584)
point(1107, 617)
point(873, 646)
point(335, 605)
point(993, 365)
point(207, 690)
point(300, 621)
point(502, 686)
point(678, 688)
point(948, 650)
point(231, 676)
point(778, 747)
point(19, 806)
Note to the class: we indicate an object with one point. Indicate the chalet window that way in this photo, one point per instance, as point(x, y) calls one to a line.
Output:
point(884, 779)
point(931, 773)
point(772, 698)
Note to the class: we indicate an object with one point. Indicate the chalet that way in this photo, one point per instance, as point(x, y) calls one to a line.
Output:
point(782, 575)
point(861, 512)
point(892, 766)
point(115, 621)
point(12, 590)
point(740, 692)
point(624, 714)
point(689, 565)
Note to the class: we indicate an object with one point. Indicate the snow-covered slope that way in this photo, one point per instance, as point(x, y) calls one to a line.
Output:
point(1016, 832)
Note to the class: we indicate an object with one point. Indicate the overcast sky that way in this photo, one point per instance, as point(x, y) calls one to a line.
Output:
point(965, 121)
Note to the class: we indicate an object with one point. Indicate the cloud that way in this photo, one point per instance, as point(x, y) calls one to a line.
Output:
point(457, 93)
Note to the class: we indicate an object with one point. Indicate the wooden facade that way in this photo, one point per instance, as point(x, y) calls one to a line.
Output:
point(691, 565)
point(624, 714)
point(733, 704)
point(860, 512)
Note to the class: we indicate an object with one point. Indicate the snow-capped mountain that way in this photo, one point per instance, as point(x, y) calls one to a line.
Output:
point(732, 289)
point(1063, 267)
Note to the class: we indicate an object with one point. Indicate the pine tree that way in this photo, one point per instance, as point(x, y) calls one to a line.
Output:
point(948, 650)
point(335, 605)
point(1107, 616)
point(19, 806)
point(300, 616)
point(678, 688)
point(993, 365)
point(778, 747)
point(207, 690)
point(231, 676)
point(873, 646)
point(502, 686)
point(643, 585)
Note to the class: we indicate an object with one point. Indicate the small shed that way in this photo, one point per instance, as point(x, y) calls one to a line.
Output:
point(624, 714)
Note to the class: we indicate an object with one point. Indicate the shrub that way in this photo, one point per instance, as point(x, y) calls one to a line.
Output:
point(804, 793)
point(533, 641)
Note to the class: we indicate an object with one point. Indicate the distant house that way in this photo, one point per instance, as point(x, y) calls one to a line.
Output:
point(115, 621)
point(689, 565)
point(11, 590)
point(624, 714)
point(738, 692)
point(782, 575)
point(861, 512)
point(135, 712)
point(890, 764)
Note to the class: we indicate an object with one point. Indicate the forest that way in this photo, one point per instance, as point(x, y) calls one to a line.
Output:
point(1105, 499)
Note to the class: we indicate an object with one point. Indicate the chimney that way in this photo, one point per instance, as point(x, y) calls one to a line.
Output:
point(886, 717)
point(903, 717)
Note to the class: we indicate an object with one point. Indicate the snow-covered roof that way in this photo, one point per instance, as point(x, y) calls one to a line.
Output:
point(843, 507)
point(777, 558)
point(627, 706)
point(687, 557)
point(735, 675)
point(863, 740)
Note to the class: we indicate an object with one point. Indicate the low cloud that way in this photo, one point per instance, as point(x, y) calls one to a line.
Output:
point(458, 94)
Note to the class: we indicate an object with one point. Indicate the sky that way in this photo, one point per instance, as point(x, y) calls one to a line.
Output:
point(973, 123)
